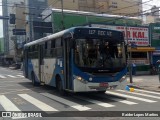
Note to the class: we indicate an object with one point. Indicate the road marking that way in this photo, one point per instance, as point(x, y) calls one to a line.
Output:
point(141, 94)
point(129, 96)
point(123, 101)
point(119, 100)
point(15, 91)
point(103, 104)
point(37, 103)
point(20, 73)
point(147, 91)
point(7, 104)
point(2, 76)
point(67, 102)
point(20, 76)
point(11, 76)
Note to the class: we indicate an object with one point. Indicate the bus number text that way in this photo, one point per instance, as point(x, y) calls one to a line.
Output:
point(91, 32)
point(101, 33)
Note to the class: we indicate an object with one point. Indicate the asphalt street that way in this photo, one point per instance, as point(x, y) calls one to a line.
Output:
point(18, 94)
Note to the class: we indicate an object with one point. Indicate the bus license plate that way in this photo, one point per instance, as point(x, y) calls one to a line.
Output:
point(103, 84)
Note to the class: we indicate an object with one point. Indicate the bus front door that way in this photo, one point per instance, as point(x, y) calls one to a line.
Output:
point(67, 65)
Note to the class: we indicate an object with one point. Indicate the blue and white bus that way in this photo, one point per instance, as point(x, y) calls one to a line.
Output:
point(79, 59)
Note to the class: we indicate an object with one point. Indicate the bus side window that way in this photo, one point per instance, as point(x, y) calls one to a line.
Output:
point(53, 44)
point(45, 45)
point(47, 49)
point(52, 52)
point(58, 47)
point(30, 52)
point(36, 51)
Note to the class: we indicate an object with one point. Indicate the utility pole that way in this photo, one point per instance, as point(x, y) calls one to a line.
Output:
point(129, 54)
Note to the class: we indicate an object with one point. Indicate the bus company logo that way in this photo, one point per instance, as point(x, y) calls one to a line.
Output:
point(6, 114)
point(21, 114)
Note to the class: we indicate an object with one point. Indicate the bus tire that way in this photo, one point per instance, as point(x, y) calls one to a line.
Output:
point(34, 81)
point(102, 92)
point(59, 86)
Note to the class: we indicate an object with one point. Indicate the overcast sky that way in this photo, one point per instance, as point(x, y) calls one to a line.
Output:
point(146, 6)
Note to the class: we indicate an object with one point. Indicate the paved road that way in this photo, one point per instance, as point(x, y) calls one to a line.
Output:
point(18, 94)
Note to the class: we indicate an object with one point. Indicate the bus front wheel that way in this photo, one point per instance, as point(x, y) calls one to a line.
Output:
point(102, 92)
point(33, 80)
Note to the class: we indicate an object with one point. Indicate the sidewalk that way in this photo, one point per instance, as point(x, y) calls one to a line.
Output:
point(147, 82)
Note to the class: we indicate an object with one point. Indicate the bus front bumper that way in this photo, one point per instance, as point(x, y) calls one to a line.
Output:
point(85, 86)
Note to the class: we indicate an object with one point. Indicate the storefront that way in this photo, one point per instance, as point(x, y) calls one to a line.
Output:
point(141, 55)
point(156, 56)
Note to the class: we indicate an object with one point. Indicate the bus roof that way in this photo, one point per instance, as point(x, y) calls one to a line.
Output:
point(60, 34)
point(54, 35)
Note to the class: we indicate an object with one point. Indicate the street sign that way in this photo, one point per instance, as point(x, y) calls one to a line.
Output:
point(42, 27)
point(4, 17)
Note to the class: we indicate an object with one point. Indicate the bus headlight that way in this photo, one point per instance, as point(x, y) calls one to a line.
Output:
point(123, 78)
point(90, 79)
point(79, 78)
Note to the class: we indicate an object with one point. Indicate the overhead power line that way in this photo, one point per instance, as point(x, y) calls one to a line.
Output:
point(54, 2)
point(139, 13)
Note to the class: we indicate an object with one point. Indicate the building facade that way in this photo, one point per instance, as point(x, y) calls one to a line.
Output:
point(22, 14)
point(33, 14)
point(8, 7)
point(118, 7)
point(153, 17)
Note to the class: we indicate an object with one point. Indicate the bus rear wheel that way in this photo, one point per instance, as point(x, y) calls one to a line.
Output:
point(60, 87)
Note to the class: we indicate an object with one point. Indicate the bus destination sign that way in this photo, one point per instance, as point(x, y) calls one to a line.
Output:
point(100, 33)
point(96, 33)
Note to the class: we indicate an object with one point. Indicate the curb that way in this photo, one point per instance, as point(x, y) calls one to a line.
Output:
point(138, 87)
point(134, 86)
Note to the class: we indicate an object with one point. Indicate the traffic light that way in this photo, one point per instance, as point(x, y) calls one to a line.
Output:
point(12, 19)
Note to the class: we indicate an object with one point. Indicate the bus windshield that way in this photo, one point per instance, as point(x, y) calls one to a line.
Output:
point(101, 55)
